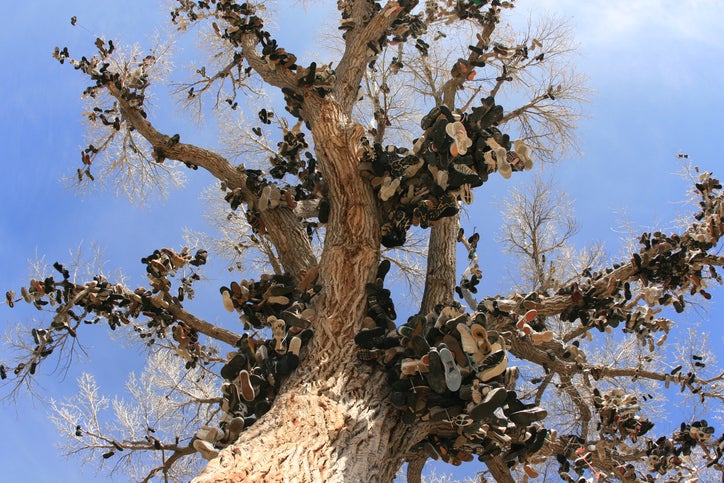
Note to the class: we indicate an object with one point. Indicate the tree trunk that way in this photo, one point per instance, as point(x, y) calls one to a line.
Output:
point(440, 279)
point(330, 421)
point(328, 425)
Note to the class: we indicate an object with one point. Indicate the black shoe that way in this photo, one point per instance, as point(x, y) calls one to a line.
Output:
point(366, 338)
point(527, 416)
point(493, 400)
point(436, 375)
point(232, 368)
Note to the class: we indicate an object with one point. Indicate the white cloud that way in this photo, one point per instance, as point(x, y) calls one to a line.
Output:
point(622, 21)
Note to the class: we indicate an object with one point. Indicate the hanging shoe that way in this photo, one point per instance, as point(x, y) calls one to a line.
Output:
point(453, 378)
point(461, 141)
point(206, 449)
point(389, 188)
point(493, 365)
point(436, 372)
point(226, 299)
point(246, 389)
point(523, 153)
point(491, 401)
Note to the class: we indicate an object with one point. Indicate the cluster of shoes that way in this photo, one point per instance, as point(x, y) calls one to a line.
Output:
point(577, 456)
point(618, 415)
point(293, 157)
point(472, 274)
point(253, 372)
point(407, 25)
point(99, 299)
point(272, 296)
point(455, 154)
point(161, 265)
point(667, 267)
point(252, 376)
point(448, 367)
point(664, 454)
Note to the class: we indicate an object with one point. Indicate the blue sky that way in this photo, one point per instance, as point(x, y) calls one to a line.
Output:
point(655, 67)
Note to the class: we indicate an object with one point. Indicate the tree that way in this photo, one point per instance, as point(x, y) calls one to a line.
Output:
point(360, 195)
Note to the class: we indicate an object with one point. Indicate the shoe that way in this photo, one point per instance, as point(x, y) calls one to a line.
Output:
point(454, 346)
point(207, 450)
point(469, 343)
point(492, 400)
point(436, 373)
point(461, 174)
point(466, 194)
point(263, 202)
point(210, 434)
point(530, 471)
point(235, 426)
point(389, 188)
point(410, 367)
point(504, 167)
point(232, 368)
point(493, 365)
point(461, 141)
point(295, 346)
point(420, 347)
point(511, 376)
point(231, 399)
point(539, 338)
point(526, 416)
point(406, 167)
point(480, 335)
point(226, 299)
point(293, 319)
point(246, 389)
point(453, 378)
point(278, 328)
point(429, 119)
point(367, 338)
point(523, 153)
point(447, 205)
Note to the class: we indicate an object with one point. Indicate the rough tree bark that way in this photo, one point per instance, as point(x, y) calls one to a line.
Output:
point(330, 421)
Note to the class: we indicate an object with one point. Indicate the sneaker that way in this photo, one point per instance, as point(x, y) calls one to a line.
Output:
point(453, 378)
point(493, 365)
point(447, 206)
point(210, 434)
point(469, 343)
point(454, 346)
point(231, 400)
point(367, 338)
point(504, 167)
point(480, 335)
point(527, 416)
point(226, 299)
point(263, 201)
point(389, 188)
point(278, 328)
point(246, 389)
point(429, 119)
point(539, 338)
point(511, 377)
point(207, 450)
point(436, 373)
point(461, 141)
point(523, 153)
point(493, 400)
point(420, 347)
point(232, 368)
point(530, 471)
point(410, 367)
point(466, 194)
